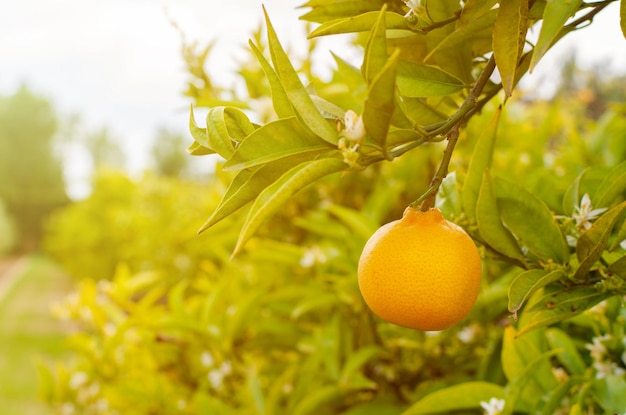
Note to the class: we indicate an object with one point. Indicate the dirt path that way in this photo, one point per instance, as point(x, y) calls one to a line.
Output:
point(6, 264)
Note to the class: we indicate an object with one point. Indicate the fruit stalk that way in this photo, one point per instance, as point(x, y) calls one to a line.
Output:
point(427, 200)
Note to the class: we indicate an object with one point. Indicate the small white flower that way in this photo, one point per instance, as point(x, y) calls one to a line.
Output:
point(597, 348)
point(109, 329)
point(78, 379)
point(226, 368)
point(68, 409)
point(598, 310)
point(312, 256)
point(605, 369)
point(413, 5)
point(623, 246)
point(354, 129)
point(468, 334)
point(207, 359)
point(585, 213)
point(560, 374)
point(216, 378)
point(495, 406)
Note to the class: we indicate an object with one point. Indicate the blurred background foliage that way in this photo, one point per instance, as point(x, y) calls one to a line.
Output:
point(168, 324)
point(163, 322)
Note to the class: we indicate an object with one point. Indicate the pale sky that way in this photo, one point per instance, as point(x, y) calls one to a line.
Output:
point(117, 63)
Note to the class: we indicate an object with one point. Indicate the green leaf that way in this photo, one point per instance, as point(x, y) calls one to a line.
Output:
point(380, 103)
point(531, 221)
point(561, 305)
point(275, 140)
point(296, 91)
point(224, 126)
point(463, 34)
point(593, 242)
point(359, 224)
point(330, 10)
point(520, 352)
point(448, 199)
point(200, 136)
point(480, 161)
point(275, 195)
point(612, 187)
point(421, 111)
point(455, 398)
point(328, 109)
point(555, 15)
point(197, 149)
point(247, 185)
point(314, 401)
point(572, 196)
point(375, 57)
point(415, 80)
point(610, 393)
point(618, 267)
point(314, 303)
point(509, 36)
point(515, 387)
point(361, 23)
point(490, 226)
point(472, 9)
point(554, 398)
point(357, 360)
point(527, 283)
point(280, 100)
point(569, 357)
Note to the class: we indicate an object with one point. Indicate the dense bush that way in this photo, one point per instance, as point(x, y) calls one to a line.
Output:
point(280, 328)
point(147, 224)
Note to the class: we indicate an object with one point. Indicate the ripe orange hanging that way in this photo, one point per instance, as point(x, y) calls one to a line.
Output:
point(421, 271)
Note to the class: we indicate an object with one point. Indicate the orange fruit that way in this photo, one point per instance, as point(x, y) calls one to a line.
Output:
point(421, 271)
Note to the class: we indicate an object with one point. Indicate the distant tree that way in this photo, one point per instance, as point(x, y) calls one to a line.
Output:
point(169, 155)
point(31, 175)
point(105, 151)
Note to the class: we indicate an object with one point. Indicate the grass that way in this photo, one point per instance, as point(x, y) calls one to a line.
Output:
point(29, 334)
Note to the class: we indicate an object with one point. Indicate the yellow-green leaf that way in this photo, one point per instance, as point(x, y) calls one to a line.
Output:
point(557, 306)
point(275, 140)
point(295, 90)
point(415, 80)
point(530, 219)
point(464, 396)
point(593, 242)
point(361, 23)
point(375, 56)
point(479, 162)
point(379, 105)
point(224, 127)
point(509, 36)
point(555, 15)
point(275, 195)
point(527, 283)
point(280, 100)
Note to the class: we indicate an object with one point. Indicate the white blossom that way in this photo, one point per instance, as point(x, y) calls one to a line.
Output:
point(495, 406)
point(78, 379)
point(585, 213)
point(354, 129)
point(605, 369)
point(207, 359)
point(597, 348)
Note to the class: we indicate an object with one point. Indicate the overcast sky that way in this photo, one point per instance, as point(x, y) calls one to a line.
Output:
point(117, 63)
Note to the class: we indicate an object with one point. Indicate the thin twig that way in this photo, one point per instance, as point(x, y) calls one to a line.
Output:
point(426, 201)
